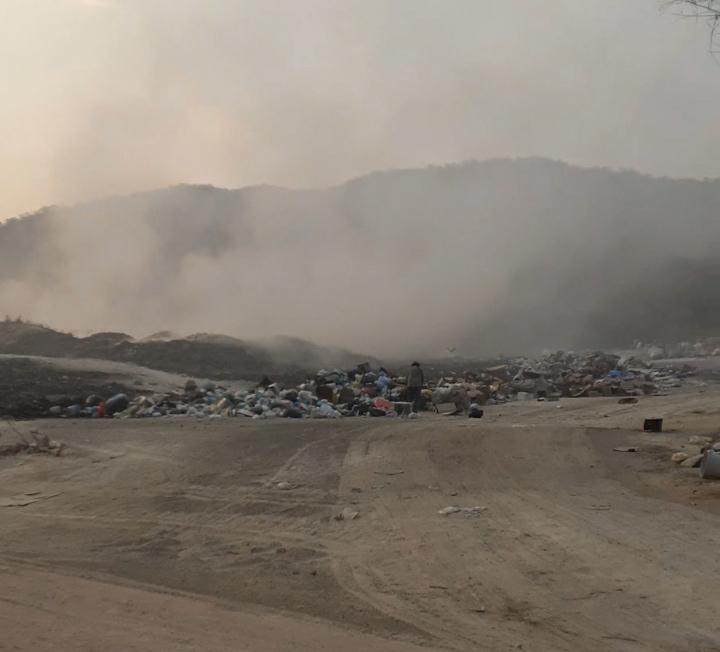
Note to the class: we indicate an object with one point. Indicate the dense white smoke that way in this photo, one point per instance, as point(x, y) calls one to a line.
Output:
point(503, 255)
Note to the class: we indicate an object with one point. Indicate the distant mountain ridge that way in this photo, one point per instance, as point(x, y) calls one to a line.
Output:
point(501, 255)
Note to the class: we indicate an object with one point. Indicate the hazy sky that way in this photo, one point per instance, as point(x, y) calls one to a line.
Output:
point(110, 96)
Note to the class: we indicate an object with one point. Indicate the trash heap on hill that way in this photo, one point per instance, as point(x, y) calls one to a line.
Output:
point(702, 348)
point(364, 392)
point(591, 374)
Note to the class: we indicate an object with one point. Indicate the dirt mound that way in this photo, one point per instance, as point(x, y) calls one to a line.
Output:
point(17, 336)
point(28, 388)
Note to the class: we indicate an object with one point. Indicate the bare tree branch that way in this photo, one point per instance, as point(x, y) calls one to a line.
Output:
point(707, 10)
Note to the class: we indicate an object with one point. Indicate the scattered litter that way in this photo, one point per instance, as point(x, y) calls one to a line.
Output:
point(285, 486)
point(698, 440)
point(451, 413)
point(456, 509)
point(693, 462)
point(710, 465)
point(627, 449)
point(475, 412)
point(43, 444)
point(653, 425)
point(115, 404)
point(449, 510)
point(347, 514)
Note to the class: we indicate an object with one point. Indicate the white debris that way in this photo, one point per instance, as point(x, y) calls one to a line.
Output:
point(456, 509)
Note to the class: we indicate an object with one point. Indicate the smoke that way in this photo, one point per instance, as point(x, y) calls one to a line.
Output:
point(109, 97)
point(502, 255)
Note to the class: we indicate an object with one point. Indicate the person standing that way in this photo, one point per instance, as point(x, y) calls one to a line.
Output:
point(415, 382)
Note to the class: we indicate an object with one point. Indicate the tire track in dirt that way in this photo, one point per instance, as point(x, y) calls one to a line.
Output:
point(538, 539)
point(394, 577)
point(568, 555)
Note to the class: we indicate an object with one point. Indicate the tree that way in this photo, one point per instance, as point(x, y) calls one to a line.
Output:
point(707, 10)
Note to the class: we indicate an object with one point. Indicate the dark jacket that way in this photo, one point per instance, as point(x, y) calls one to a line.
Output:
point(416, 377)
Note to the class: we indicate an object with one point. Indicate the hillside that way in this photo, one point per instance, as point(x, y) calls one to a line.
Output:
point(503, 255)
point(201, 355)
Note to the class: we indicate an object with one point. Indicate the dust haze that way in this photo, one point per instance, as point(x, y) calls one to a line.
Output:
point(110, 101)
point(503, 255)
point(104, 97)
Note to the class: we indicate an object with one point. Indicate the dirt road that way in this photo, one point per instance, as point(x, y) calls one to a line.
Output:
point(221, 535)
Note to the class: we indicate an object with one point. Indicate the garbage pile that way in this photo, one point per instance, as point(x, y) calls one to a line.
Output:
point(564, 374)
point(594, 374)
point(363, 392)
point(330, 395)
point(701, 348)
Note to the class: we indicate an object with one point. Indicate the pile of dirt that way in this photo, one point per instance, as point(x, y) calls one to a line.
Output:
point(28, 388)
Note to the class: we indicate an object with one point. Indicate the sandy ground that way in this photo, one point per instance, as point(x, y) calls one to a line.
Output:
point(173, 534)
